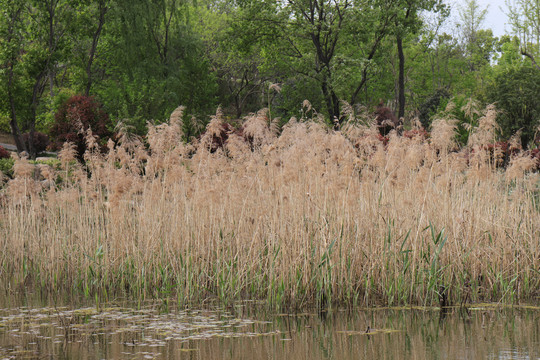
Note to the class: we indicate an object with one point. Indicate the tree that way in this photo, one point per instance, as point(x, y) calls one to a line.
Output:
point(376, 28)
point(524, 17)
point(477, 43)
point(436, 66)
point(430, 64)
point(515, 92)
point(85, 36)
point(331, 43)
point(235, 57)
point(34, 32)
point(152, 62)
point(408, 20)
point(11, 33)
point(321, 22)
point(471, 19)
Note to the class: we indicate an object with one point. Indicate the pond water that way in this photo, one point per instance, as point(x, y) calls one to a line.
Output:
point(119, 330)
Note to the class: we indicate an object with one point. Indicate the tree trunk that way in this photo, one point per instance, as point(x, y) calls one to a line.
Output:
point(31, 148)
point(401, 78)
point(332, 102)
point(365, 70)
point(524, 53)
point(102, 11)
point(21, 146)
point(238, 106)
point(39, 88)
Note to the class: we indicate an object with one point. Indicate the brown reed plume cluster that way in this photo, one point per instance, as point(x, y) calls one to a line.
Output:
point(302, 216)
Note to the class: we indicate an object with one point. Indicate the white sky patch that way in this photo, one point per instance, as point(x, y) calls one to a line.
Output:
point(495, 20)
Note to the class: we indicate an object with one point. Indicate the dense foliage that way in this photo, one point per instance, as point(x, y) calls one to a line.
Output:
point(516, 91)
point(142, 59)
point(73, 120)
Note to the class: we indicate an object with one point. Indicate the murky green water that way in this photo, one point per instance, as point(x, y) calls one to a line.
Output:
point(147, 331)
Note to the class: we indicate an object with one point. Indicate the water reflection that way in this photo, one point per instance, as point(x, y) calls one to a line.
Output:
point(118, 331)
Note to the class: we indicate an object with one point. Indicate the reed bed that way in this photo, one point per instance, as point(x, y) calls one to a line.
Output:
point(304, 217)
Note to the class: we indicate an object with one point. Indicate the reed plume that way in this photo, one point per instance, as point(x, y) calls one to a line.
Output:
point(306, 216)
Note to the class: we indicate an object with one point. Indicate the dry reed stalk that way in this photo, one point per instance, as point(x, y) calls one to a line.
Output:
point(302, 217)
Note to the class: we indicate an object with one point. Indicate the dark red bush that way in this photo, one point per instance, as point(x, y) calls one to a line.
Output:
point(385, 118)
point(416, 133)
point(41, 141)
point(73, 119)
point(383, 139)
point(4, 154)
point(220, 139)
point(500, 152)
point(535, 154)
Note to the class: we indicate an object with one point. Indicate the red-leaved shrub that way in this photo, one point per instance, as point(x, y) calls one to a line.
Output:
point(41, 141)
point(385, 118)
point(383, 139)
point(220, 139)
point(221, 135)
point(73, 119)
point(4, 154)
point(416, 133)
point(535, 154)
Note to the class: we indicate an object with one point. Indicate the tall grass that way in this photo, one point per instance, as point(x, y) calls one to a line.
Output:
point(305, 217)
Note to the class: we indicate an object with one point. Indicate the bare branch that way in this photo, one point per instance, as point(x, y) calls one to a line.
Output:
point(530, 56)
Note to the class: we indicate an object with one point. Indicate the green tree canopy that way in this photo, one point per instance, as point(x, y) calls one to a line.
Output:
point(515, 92)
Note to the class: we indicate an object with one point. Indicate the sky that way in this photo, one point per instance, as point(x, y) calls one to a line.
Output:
point(496, 18)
